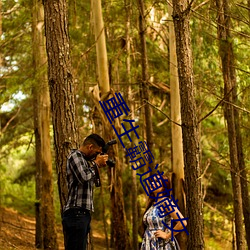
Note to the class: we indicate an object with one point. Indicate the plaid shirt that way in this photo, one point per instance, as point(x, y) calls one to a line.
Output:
point(80, 179)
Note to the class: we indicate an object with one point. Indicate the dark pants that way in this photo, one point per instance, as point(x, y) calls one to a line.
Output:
point(76, 226)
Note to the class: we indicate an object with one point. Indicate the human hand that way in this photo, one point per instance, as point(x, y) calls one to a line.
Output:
point(163, 235)
point(101, 160)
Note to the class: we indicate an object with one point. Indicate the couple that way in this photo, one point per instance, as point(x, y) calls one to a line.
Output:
point(82, 171)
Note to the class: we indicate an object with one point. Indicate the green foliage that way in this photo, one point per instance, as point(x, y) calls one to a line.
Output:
point(17, 167)
point(25, 174)
point(217, 229)
point(18, 189)
point(15, 73)
point(19, 197)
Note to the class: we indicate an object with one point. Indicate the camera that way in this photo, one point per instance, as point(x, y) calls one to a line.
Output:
point(110, 162)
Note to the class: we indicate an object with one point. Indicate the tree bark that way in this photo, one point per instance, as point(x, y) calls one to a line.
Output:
point(248, 4)
point(192, 170)
point(131, 105)
point(144, 86)
point(119, 233)
point(117, 204)
point(119, 218)
point(46, 237)
point(61, 87)
point(1, 31)
point(231, 116)
point(104, 219)
point(176, 131)
point(1, 62)
point(243, 177)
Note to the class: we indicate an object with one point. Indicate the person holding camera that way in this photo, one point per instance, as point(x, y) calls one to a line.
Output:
point(82, 173)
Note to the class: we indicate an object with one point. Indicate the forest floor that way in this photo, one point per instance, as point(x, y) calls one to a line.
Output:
point(18, 232)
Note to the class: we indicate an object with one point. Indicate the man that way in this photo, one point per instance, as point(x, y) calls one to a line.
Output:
point(82, 170)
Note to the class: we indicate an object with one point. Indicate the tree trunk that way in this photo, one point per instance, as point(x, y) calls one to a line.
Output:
point(101, 51)
point(248, 3)
point(144, 86)
point(1, 32)
point(46, 237)
point(61, 88)
point(119, 231)
point(192, 169)
point(101, 58)
point(104, 219)
point(133, 184)
point(176, 132)
point(131, 105)
point(134, 211)
point(1, 62)
point(233, 236)
point(231, 116)
point(117, 203)
point(119, 218)
point(243, 179)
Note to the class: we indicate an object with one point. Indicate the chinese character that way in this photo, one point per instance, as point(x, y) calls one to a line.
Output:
point(133, 129)
point(141, 146)
point(147, 154)
point(132, 152)
point(153, 182)
point(164, 205)
point(172, 226)
point(112, 108)
point(138, 162)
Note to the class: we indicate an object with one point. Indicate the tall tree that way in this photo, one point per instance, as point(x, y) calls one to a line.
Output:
point(176, 132)
point(102, 66)
point(61, 87)
point(248, 4)
point(231, 115)
point(46, 237)
point(144, 89)
point(101, 51)
point(1, 31)
point(243, 177)
point(120, 232)
point(134, 207)
point(181, 17)
point(121, 241)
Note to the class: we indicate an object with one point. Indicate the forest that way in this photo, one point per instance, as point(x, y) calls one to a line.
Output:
point(182, 70)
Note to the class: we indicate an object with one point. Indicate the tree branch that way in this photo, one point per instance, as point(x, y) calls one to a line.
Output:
point(200, 5)
point(10, 120)
point(14, 8)
point(161, 112)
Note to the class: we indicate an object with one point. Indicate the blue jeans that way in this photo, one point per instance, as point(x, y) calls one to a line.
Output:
point(76, 226)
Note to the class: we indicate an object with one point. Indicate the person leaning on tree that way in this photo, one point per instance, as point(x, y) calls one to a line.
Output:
point(156, 223)
point(82, 171)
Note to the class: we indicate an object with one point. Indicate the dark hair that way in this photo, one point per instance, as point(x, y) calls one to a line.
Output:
point(94, 139)
point(166, 193)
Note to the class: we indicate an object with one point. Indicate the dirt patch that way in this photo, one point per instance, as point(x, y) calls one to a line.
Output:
point(18, 232)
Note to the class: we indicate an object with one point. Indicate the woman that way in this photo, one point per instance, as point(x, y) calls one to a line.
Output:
point(157, 236)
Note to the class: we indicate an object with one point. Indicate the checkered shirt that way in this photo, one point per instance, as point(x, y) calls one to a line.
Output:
point(80, 180)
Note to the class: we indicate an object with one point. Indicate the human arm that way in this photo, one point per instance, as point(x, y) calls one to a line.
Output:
point(99, 161)
point(180, 225)
point(78, 166)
